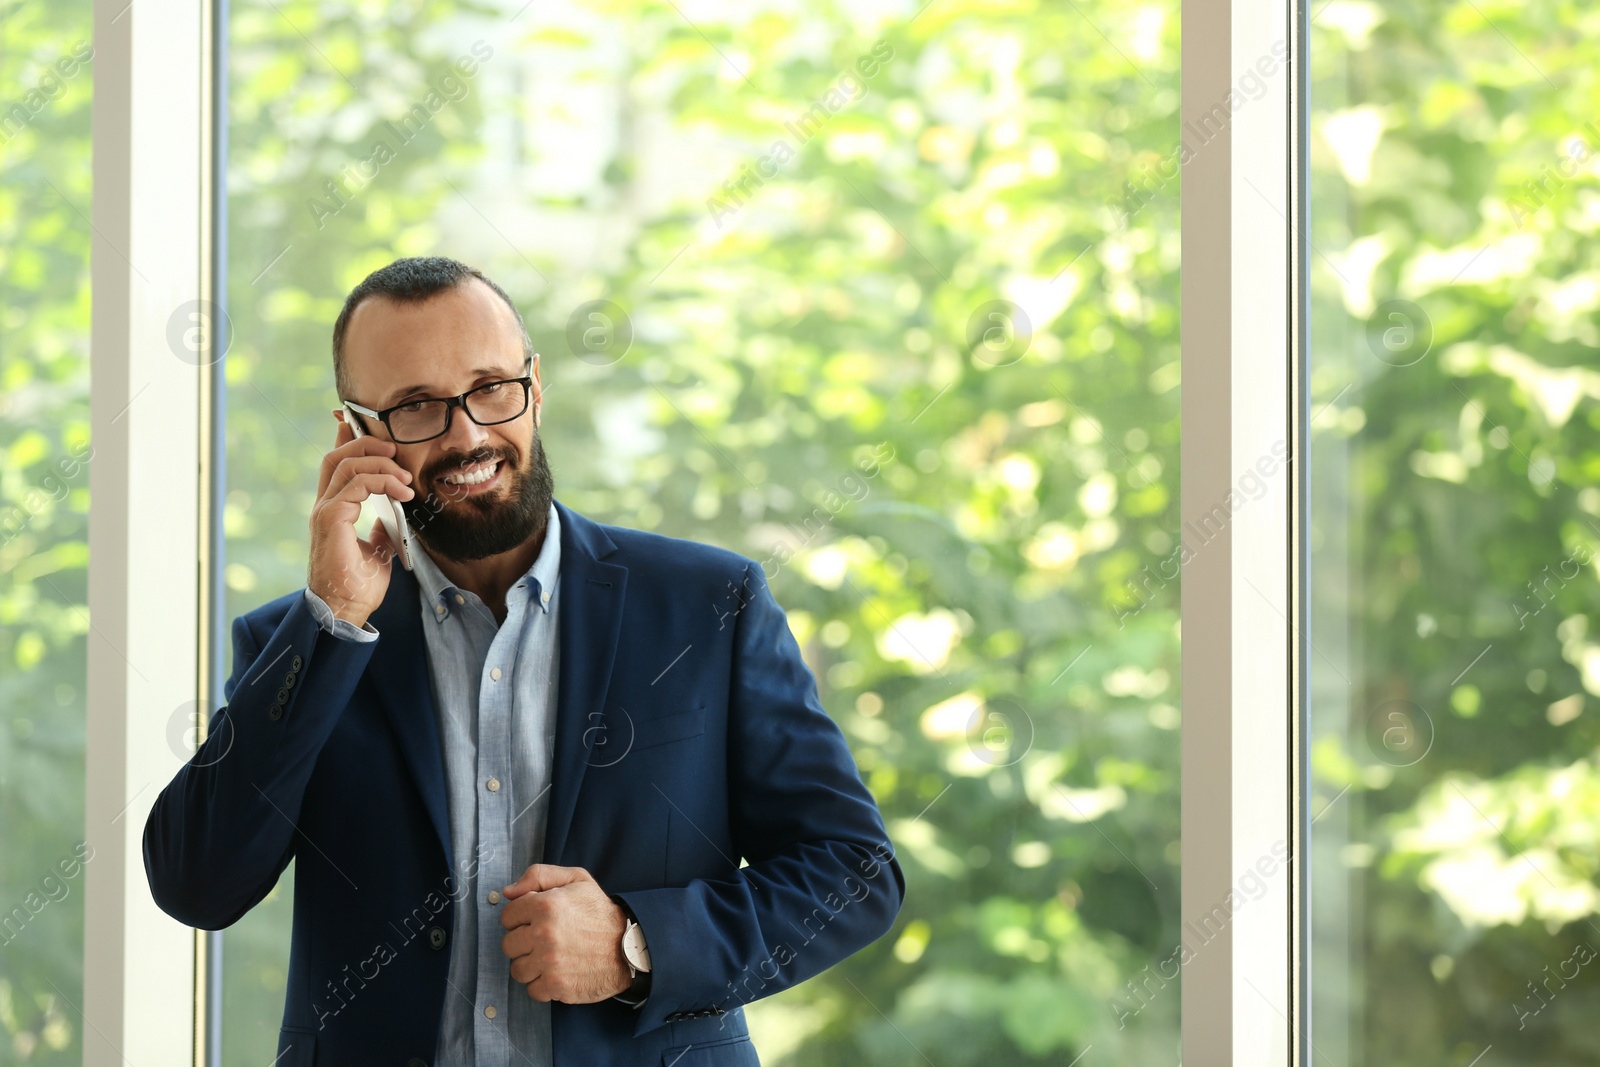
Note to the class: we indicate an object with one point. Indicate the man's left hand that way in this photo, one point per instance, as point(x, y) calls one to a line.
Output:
point(565, 940)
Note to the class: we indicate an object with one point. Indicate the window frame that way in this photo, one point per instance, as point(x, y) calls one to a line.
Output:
point(1243, 611)
point(150, 533)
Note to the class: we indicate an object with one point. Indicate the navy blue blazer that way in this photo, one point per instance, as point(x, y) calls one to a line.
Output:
point(664, 779)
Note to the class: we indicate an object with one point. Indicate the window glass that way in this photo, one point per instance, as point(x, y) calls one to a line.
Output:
point(884, 298)
point(46, 71)
point(1454, 663)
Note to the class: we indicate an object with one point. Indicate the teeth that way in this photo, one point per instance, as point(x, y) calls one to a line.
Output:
point(476, 477)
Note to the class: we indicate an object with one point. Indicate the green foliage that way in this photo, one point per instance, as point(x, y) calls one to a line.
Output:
point(1455, 527)
point(948, 518)
point(44, 430)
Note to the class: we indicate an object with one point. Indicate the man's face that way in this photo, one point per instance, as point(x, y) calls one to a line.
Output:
point(451, 342)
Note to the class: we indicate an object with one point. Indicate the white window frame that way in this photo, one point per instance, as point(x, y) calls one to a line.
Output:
point(1242, 594)
point(149, 526)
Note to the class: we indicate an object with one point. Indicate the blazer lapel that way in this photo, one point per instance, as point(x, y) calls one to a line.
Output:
point(399, 672)
point(592, 595)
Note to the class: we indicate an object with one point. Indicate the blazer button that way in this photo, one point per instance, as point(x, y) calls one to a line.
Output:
point(281, 695)
point(288, 680)
point(296, 663)
point(275, 712)
point(436, 937)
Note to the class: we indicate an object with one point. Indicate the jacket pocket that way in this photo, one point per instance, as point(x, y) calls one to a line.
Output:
point(735, 1052)
point(711, 1041)
point(680, 726)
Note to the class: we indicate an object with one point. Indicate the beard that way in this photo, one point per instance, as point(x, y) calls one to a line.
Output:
point(464, 528)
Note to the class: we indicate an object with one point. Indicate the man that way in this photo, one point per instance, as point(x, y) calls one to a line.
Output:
point(519, 780)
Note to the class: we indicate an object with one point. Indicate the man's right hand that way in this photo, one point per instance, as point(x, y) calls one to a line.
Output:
point(349, 574)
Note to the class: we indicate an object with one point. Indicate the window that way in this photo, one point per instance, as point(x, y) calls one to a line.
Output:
point(861, 296)
point(1453, 530)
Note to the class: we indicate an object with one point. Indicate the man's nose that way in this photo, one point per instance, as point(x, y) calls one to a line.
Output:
point(464, 435)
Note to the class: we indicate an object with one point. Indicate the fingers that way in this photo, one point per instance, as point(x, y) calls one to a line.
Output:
point(525, 971)
point(349, 447)
point(526, 943)
point(542, 876)
point(356, 484)
point(342, 435)
point(552, 989)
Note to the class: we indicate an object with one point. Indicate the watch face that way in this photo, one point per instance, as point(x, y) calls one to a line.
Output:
point(634, 949)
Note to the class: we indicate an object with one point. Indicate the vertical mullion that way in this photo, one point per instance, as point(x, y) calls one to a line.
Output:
point(1297, 134)
point(206, 562)
point(1239, 486)
point(144, 521)
point(1206, 681)
point(213, 633)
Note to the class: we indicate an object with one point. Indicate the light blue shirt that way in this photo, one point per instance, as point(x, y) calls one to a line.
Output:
point(495, 688)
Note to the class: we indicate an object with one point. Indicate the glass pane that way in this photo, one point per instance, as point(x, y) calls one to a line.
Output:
point(1454, 524)
point(45, 88)
point(885, 300)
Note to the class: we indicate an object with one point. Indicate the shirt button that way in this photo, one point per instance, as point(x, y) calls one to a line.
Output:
point(493, 785)
point(495, 674)
point(494, 896)
point(489, 1011)
point(460, 599)
point(545, 599)
point(439, 610)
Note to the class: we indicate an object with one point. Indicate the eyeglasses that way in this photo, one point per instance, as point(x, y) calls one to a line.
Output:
point(423, 420)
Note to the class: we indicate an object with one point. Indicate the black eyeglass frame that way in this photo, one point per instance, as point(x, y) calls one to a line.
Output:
point(450, 404)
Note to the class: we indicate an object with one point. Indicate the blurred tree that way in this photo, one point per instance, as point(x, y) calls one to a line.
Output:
point(1456, 524)
point(44, 499)
point(874, 326)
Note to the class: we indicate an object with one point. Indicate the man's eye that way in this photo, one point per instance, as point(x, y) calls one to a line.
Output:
point(411, 408)
point(492, 388)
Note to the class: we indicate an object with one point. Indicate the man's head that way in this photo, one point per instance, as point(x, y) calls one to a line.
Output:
point(432, 328)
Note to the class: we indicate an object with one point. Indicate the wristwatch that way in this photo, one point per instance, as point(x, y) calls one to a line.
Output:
point(634, 950)
point(636, 954)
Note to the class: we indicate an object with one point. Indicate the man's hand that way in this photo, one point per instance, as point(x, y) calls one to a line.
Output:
point(565, 940)
point(349, 574)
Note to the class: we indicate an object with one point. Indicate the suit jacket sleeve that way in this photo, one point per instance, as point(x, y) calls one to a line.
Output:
point(821, 881)
point(223, 829)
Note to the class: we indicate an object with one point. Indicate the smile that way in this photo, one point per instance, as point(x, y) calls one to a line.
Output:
point(475, 479)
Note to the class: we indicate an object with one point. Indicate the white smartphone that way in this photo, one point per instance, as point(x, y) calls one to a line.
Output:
point(388, 511)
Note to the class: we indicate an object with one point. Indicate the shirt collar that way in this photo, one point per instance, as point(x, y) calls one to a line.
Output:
point(439, 593)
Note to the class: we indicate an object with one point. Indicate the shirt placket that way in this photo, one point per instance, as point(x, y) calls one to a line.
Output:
point(496, 812)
